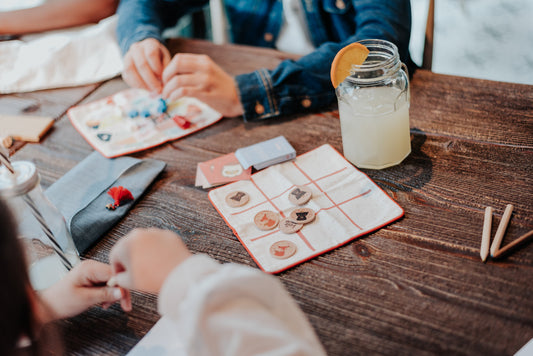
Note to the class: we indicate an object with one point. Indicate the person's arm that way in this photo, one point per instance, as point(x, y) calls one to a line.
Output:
point(217, 309)
point(55, 14)
point(235, 310)
point(296, 86)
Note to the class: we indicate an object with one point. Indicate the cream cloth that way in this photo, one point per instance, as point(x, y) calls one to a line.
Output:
point(347, 204)
point(63, 58)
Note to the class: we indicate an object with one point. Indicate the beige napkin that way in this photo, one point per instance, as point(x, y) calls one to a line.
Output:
point(63, 58)
point(347, 204)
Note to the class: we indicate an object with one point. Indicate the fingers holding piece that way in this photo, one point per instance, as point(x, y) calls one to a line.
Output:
point(144, 64)
point(186, 63)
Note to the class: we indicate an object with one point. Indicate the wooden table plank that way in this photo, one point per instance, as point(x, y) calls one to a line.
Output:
point(479, 110)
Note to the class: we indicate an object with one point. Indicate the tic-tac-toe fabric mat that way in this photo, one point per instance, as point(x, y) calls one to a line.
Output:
point(347, 204)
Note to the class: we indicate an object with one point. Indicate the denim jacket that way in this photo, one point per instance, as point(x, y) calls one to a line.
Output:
point(294, 86)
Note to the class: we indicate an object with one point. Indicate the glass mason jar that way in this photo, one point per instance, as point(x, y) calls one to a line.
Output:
point(48, 245)
point(374, 109)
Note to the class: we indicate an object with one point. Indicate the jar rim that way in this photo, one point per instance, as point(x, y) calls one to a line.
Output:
point(22, 182)
point(376, 70)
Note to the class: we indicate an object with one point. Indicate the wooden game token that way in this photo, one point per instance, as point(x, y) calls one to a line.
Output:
point(283, 249)
point(266, 220)
point(288, 227)
point(300, 195)
point(237, 199)
point(302, 215)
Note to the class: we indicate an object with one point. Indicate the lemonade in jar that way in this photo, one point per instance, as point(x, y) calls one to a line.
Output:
point(374, 107)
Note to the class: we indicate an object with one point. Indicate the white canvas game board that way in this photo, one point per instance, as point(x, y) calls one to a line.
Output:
point(347, 204)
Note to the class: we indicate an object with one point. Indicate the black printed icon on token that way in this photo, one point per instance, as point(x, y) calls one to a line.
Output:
point(266, 220)
point(288, 227)
point(300, 195)
point(302, 215)
point(283, 249)
point(237, 198)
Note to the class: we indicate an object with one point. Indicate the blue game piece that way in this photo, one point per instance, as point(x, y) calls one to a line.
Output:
point(146, 113)
point(162, 107)
point(133, 113)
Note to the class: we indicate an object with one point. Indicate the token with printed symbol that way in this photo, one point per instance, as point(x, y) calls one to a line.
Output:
point(288, 227)
point(266, 220)
point(300, 195)
point(237, 199)
point(283, 249)
point(302, 215)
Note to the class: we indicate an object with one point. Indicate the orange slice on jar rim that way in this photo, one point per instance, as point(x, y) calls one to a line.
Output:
point(354, 53)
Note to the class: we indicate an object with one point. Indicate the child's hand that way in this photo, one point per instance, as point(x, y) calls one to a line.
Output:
point(144, 64)
point(83, 287)
point(143, 259)
point(197, 76)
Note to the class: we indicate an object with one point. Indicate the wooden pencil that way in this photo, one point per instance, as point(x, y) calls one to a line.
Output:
point(516, 242)
point(485, 238)
point(498, 237)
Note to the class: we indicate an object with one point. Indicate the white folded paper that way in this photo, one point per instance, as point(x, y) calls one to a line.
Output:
point(63, 58)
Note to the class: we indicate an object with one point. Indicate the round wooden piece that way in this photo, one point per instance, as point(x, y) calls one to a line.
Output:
point(237, 199)
point(283, 249)
point(302, 215)
point(266, 220)
point(289, 227)
point(300, 195)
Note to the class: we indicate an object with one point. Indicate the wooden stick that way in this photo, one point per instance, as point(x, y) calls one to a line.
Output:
point(485, 238)
point(501, 229)
point(513, 244)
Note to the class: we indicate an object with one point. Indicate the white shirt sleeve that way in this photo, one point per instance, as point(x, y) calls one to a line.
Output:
point(230, 309)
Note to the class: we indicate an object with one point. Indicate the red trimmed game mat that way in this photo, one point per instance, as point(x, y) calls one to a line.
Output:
point(347, 205)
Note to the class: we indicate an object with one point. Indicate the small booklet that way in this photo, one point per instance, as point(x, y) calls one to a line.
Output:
point(221, 170)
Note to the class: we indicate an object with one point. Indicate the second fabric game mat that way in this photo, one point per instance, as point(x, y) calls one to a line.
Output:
point(345, 202)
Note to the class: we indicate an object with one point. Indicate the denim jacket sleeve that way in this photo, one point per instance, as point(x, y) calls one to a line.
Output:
point(304, 84)
point(141, 19)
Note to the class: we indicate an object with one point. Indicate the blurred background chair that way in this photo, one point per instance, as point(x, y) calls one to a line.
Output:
point(427, 56)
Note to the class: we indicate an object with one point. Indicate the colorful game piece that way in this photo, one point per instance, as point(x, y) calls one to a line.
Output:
point(93, 124)
point(237, 199)
point(146, 113)
point(181, 121)
point(266, 220)
point(162, 106)
point(300, 195)
point(302, 215)
point(133, 113)
point(288, 226)
point(283, 249)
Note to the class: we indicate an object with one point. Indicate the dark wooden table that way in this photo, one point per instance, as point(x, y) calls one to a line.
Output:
point(417, 286)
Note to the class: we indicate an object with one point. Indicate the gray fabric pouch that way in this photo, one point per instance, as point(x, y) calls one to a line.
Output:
point(81, 194)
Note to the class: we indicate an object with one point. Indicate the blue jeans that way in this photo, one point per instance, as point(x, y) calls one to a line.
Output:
point(293, 86)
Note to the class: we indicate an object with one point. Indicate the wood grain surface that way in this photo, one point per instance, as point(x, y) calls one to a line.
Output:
point(417, 286)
